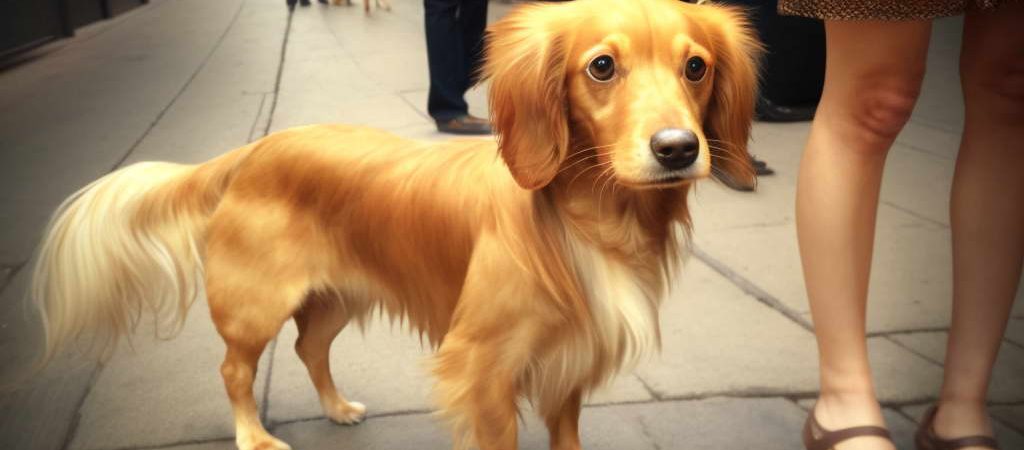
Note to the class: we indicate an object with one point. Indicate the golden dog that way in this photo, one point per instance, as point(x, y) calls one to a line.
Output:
point(537, 274)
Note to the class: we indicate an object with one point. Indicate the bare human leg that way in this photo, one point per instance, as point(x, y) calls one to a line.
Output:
point(986, 214)
point(871, 86)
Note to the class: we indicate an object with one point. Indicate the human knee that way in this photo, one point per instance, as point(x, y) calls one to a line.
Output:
point(883, 107)
point(994, 86)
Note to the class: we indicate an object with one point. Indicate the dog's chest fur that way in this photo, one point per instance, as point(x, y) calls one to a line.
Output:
point(623, 329)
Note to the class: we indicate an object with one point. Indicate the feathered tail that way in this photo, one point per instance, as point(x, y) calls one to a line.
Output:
point(126, 244)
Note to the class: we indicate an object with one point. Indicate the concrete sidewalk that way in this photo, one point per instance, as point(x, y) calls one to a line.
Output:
point(185, 80)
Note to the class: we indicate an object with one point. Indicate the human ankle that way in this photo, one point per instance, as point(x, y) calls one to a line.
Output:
point(959, 417)
point(848, 408)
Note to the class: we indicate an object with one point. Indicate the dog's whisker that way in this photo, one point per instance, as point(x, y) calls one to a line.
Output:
point(586, 170)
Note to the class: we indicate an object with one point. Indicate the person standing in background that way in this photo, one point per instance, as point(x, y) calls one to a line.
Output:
point(876, 63)
point(455, 34)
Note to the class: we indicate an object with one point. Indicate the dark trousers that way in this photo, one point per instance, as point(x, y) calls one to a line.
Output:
point(455, 35)
point(793, 70)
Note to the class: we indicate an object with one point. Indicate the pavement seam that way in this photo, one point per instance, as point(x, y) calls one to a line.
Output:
point(174, 444)
point(1020, 346)
point(265, 404)
point(414, 108)
point(911, 350)
point(936, 329)
point(750, 288)
point(399, 413)
point(417, 412)
point(256, 120)
point(1007, 424)
point(915, 214)
point(184, 87)
point(650, 390)
point(77, 414)
point(280, 72)
point(12, 271)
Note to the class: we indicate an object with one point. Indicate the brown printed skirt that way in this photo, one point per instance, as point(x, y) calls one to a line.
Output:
point(884, 9)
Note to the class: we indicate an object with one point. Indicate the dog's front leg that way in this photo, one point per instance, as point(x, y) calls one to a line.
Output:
point(497, 327)
point(478, 392)
point(563, 424)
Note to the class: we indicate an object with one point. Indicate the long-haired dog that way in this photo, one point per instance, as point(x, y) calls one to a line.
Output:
point(535, 274)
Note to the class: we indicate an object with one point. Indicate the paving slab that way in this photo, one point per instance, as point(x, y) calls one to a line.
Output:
point(1010, 415)
point(160, 392)
point(919, 183)
point(1007, 378)
point(901, 428)
point(1008, 437)
point(755, 234)
point(36, 409)
point(714, 341)
point(705, 424)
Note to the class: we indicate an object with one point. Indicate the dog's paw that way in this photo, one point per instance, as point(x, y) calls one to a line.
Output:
point(264, 443)
point(349, 413)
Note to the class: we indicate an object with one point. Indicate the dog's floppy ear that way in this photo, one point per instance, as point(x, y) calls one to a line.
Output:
point(526, 63)
point(737, 52)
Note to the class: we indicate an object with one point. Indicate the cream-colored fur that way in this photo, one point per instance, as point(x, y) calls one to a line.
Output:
point(98, 271)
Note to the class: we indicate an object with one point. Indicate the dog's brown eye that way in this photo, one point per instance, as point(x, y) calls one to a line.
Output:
point(695, 68)
point(602, 68)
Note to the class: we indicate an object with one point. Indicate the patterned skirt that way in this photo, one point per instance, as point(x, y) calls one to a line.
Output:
point(884, 9)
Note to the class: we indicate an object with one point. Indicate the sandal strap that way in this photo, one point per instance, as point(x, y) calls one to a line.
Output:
point(969, 441)
point(831, 438)
point(816, 437)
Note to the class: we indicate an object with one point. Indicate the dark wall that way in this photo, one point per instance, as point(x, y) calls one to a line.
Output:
point(25, 24)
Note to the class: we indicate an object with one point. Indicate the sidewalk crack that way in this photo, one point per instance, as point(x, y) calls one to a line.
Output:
point(751, 289)
point(184, 87)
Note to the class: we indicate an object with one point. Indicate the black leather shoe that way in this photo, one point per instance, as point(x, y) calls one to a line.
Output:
point(761, 167)
point(766, 111)
point(466, 124)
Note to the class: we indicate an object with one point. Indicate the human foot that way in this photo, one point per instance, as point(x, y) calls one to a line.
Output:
point(956, 425)
point(859, 413)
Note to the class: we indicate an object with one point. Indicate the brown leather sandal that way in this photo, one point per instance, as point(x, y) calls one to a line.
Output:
point(816, 437)
point(926, 439)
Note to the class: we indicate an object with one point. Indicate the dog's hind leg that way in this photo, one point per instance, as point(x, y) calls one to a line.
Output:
point(254, 284)
point(319, 321)
point(247, 318)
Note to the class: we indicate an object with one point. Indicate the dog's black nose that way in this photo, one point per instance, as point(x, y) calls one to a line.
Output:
point(675, 148)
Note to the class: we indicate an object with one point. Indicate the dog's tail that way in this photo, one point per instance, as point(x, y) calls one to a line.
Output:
point(124, 245)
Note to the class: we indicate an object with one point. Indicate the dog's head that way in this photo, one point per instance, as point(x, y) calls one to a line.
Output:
point(660, 91)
